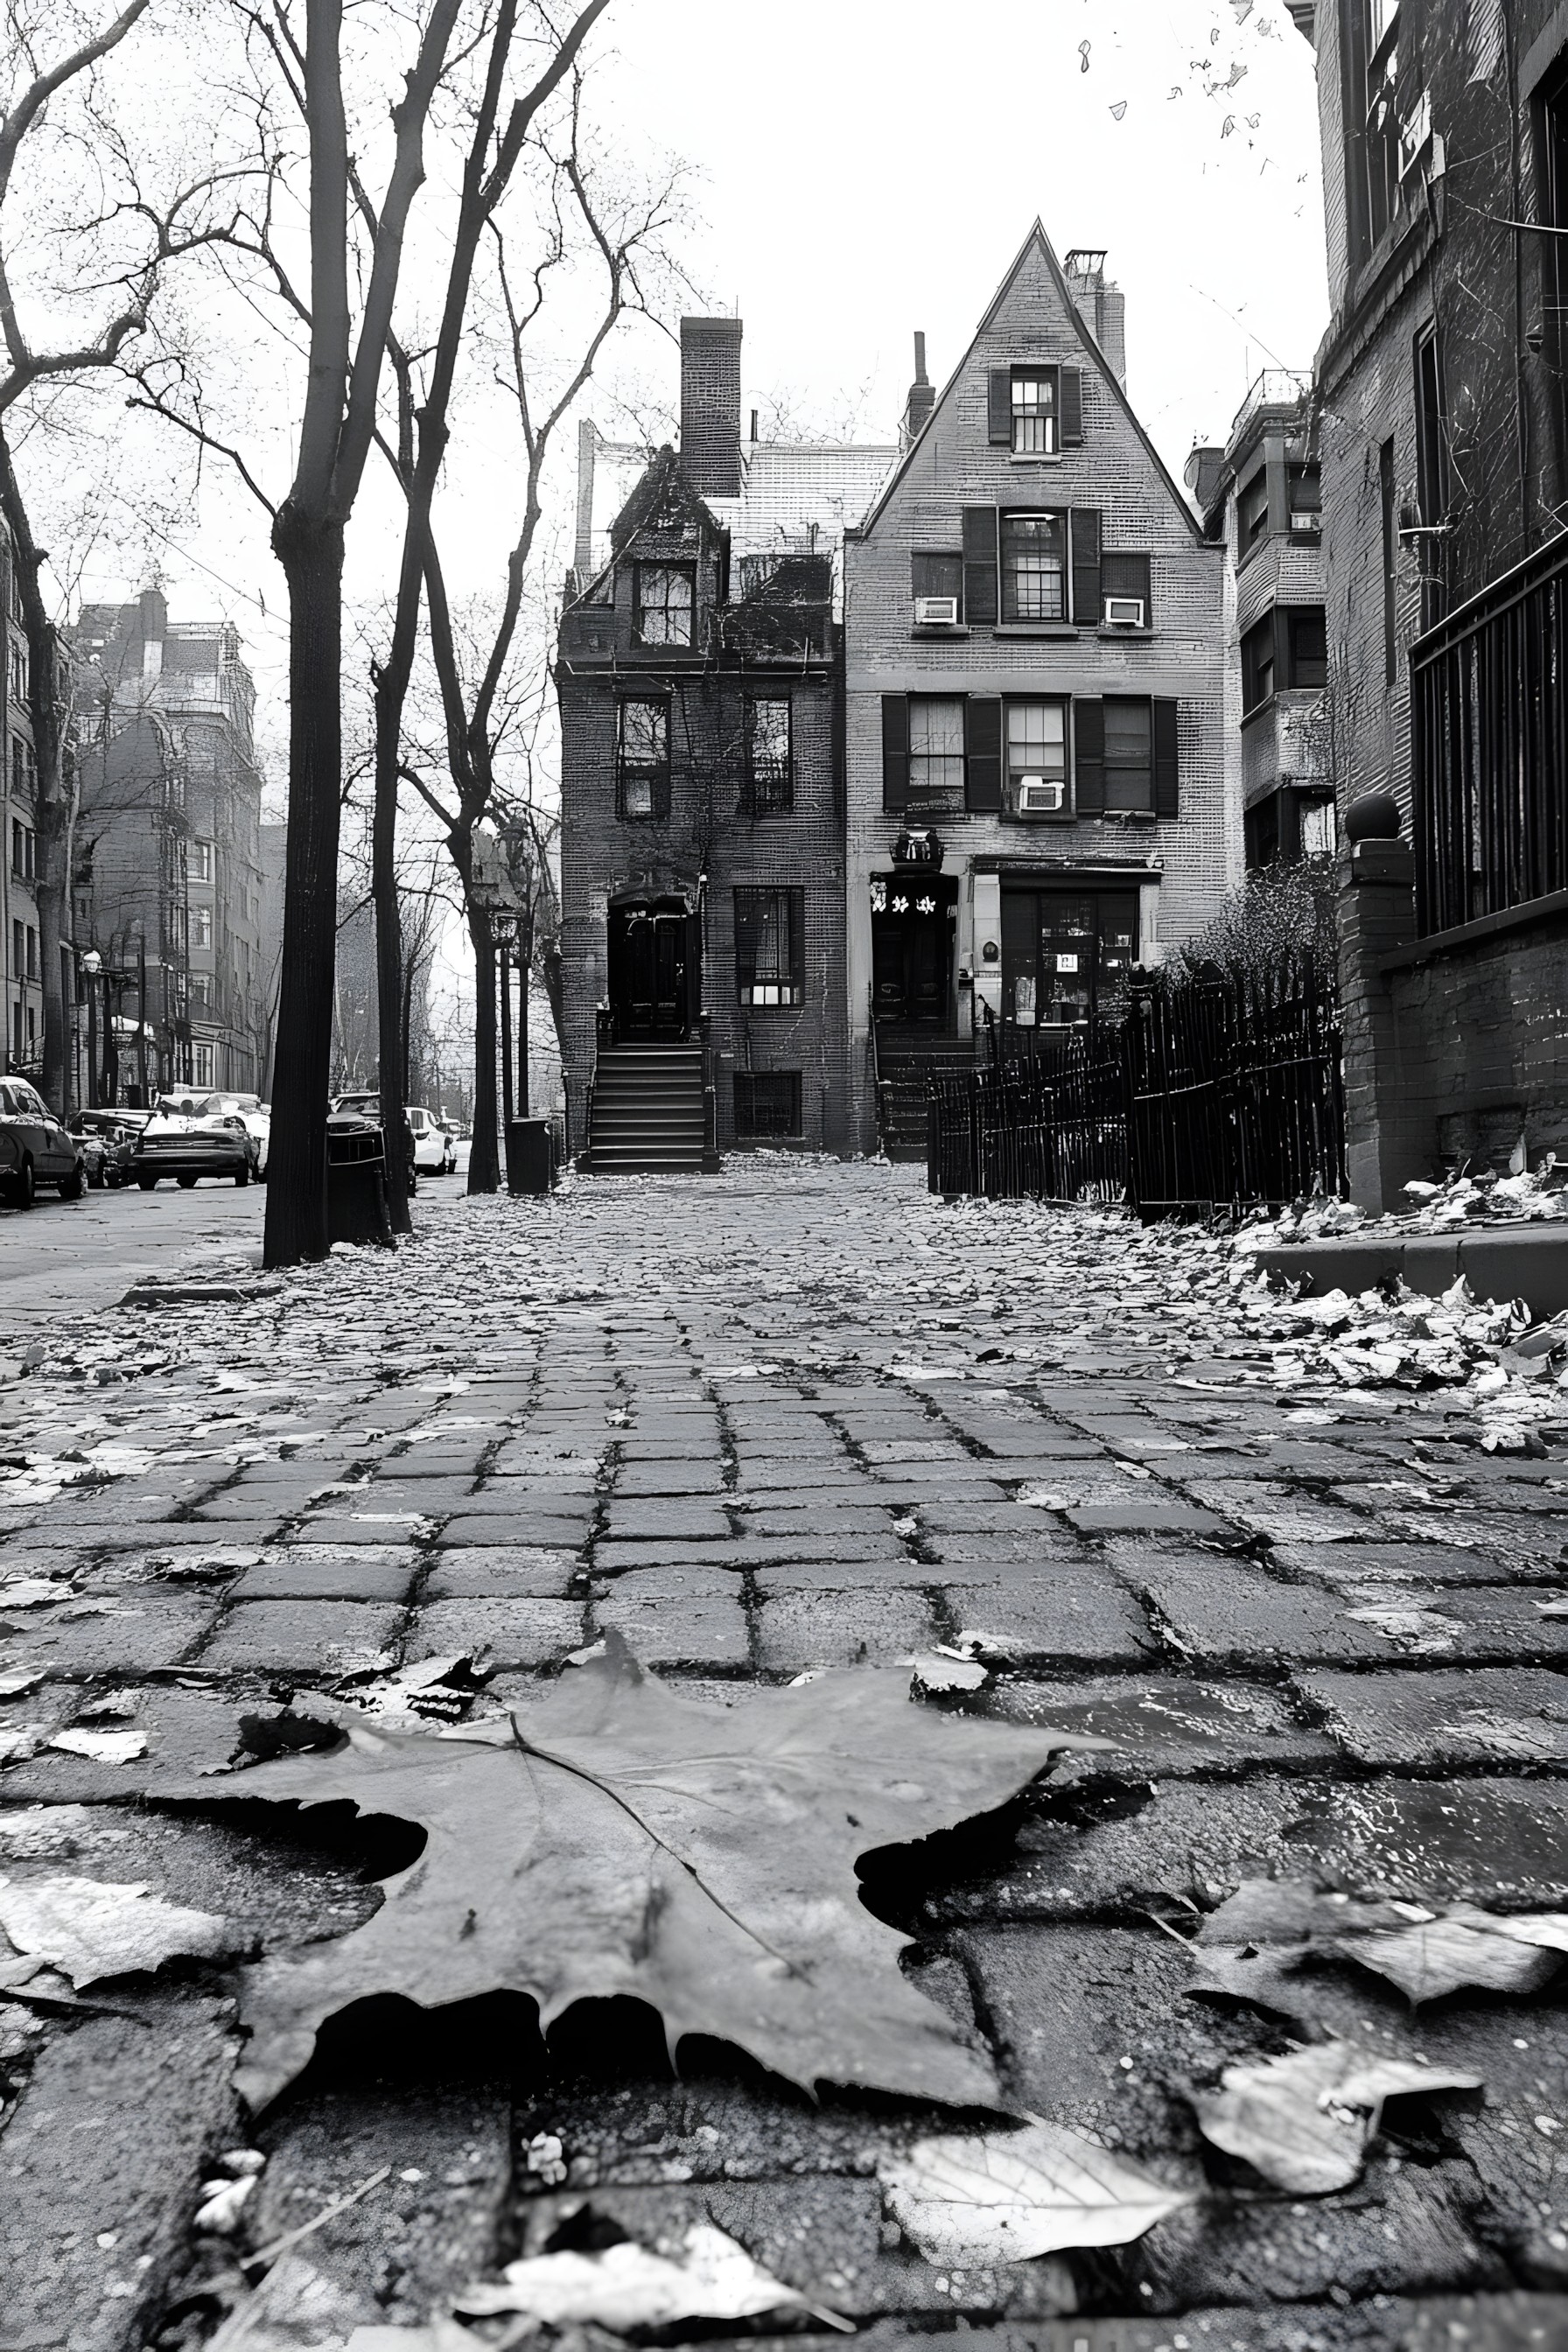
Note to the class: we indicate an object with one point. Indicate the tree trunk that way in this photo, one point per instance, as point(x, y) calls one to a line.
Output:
point(508, 1106)
point(391, 686)
point(484, 1160)
point(312, 554)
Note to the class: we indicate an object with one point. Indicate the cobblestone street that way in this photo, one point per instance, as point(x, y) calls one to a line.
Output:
point(797, 1417)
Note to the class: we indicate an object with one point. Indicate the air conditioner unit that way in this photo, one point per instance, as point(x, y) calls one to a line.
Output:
point(936, 612)
point(1306, 519)
point(1124, 612)
point(1041, 796)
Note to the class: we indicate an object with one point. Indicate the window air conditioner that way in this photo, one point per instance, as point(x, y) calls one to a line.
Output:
point(936, 612)
point(1305, 518)
point(1041, 796)
point(1124, 612)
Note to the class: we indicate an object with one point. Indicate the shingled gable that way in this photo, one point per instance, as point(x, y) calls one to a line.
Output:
point(1036, 242)
point(662, 491)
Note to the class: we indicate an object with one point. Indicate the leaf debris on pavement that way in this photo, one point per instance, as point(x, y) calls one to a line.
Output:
point(90, 1929)
point(615, 1839)
point(1008, 2197)
point(1263, 1933)
point(1304, 2120)
point(707, 2276)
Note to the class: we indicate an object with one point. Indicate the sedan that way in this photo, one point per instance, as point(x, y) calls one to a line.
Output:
point(35, 1149)
point(186, 1140)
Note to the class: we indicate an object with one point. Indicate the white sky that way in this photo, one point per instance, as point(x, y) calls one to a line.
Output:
point(867, 167)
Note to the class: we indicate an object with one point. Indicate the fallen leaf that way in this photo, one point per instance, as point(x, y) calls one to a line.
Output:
point(1270, 1926)
point(1009, 2196)
point(626, 2286)
point(615, 1839)
point(102, 1746)
point(945, 1670)
point(1303, 2121)
point(90, 1929)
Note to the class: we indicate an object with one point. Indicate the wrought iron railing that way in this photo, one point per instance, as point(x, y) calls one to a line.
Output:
point(1490, 748)
point(1207, 1098)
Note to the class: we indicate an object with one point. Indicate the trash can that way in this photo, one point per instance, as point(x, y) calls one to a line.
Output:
point(356, 1180)
point(530, 1155)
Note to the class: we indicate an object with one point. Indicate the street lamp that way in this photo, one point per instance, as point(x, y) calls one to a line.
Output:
point(92, 967)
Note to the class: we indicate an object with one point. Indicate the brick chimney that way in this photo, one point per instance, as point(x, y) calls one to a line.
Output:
point(922, 396)
point(1102, 305)
point(711, 406)
point(152, 615)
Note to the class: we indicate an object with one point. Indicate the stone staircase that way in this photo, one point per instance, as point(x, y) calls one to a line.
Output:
point(648, 1110)
point(906, 1059)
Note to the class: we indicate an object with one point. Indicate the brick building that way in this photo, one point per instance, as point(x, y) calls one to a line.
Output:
point(1040, 792)
point(701, 681)
point(1259, 497)
point(22, 1044)
point(168, 880)
point(1444, 451)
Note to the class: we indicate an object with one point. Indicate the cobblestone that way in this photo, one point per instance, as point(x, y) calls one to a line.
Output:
point(766, 1423)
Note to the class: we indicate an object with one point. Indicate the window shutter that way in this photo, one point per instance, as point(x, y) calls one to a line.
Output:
point(982, 753)
point(1088, 755)
point(1086, 608)
point(795, 903)
point(1072, 408)
point(895, 753)
point(1167, 763)
point(999, 406)
point(980, 567)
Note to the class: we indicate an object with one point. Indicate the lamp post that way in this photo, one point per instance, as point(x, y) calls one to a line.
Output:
point(91, 969)
point(503, 930)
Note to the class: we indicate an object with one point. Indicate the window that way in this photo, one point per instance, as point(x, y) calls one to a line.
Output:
point(1036, 758)
point(22, 850)
point(1257, 664)
point(770, 776)
point(1552, 205)
point(1034, 413)
point(1308, 632)
point(202, 854)
point(202, 990)
point(18, 673)
point(936, 754)
point(937, 575)
point(1306, 486)
point(1125, 579)
point(644, 767)
point(1252, 511)
point(203, 1060)
point(769, 958)
point(18, 949)
point(1317, 829)
point(1034, 567)
point(1390, 564)
point(767, 1103)
point(32, 952)
point(204, 927)
point(665, 596)
point(18, 768)
point(1128, 752)
point(1381, 115)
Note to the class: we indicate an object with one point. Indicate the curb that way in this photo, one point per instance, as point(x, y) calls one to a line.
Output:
point(1500, 1262)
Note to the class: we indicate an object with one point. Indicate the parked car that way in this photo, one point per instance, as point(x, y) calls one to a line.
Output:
point(34, 1147)
point(257, 1117)
point(108, 1138)
point(186, 1140)
point(431, 1148)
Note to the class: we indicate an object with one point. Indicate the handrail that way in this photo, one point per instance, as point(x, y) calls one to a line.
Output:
point(879, 1084)
point(709, 1096)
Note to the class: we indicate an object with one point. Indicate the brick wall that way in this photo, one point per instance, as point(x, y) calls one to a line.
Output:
point(1190, 862)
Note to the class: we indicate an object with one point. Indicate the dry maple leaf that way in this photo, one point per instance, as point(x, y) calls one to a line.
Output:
point(615, 1839)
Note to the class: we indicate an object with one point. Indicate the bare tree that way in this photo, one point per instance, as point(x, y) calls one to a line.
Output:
point(123, 254)
point(482, 696)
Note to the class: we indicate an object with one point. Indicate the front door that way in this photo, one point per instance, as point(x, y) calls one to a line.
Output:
point(1063, 952)
point(912, 920)
point(652, 981)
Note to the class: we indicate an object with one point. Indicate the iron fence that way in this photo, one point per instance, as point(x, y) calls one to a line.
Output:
point(1489, 765)
point(1204, 1100)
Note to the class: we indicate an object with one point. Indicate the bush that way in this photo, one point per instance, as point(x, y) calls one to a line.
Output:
point(1281, 923)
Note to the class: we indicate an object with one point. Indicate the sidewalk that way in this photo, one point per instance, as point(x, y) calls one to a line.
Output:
point(796, 1417)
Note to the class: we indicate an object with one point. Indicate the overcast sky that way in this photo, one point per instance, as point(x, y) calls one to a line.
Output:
point(863, 168)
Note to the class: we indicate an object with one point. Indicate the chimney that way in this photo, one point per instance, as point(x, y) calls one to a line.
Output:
point(587, 443)
point(922, 396)
point(1102, 305)
point(153, 612)
point(711, 407)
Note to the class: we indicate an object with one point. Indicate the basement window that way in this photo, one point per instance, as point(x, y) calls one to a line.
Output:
point(767, 1104)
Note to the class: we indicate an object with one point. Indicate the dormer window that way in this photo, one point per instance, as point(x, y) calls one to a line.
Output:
point(665, 596)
